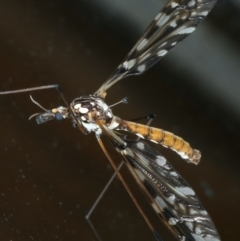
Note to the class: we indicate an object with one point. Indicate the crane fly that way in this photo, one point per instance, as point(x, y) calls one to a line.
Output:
point(170, 195)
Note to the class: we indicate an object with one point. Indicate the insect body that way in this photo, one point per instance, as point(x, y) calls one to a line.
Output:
point(169, 194)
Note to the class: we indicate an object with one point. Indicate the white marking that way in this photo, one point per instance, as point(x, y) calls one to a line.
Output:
point(141, 68)
point(174, 174)
point(184, 16)
point(182, 206)
point(174, 43)
point(160, 202)
point(140, 175)
point(155, 207)
point(92, 127)
point(172, 221)
point(77, 106)
point(205, 13)
point(83, 110)
point(203, 212)
point(185, 190)
point(171, 199)
point(98, 131)
point(198, 230)
point(197, 237)
point(189, 225)
point(109, 114)
point(105, 107)
point(154, 141)
point(182, 154)
point(125, 65)
point(158, 16)
point(173, 24)
point(161, 161)
point(183, 238)
point(142, 44)
point(187, 30)
point(145, 160)
point(173, 4)
point(194, 13)
point(162, 53)
point(192, 3)
point(140, 135)
point(163, 44)
point(83, 118)
point(193, 211)
point(140, 145)
point(102, 104)
point(129, 64)
point(211, 239)
point(114, 124)
point(164, 18)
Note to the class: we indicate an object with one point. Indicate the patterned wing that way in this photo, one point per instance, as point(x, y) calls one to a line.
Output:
point(177, 20)
point(170, 195)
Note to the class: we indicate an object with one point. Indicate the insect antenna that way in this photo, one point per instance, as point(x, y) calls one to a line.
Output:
point(44, 87)
point(149, 117)
point(156, 235)
point(36, 103)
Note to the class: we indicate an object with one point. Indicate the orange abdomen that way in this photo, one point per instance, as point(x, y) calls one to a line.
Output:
point(164, 138)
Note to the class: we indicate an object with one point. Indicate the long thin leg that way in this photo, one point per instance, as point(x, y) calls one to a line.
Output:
point(103, 192)
point(129, 191)
point(44, 87)
point(88, 215)
point(98, 200)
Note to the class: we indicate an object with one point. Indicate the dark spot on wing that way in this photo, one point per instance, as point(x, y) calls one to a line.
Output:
point(150, 189)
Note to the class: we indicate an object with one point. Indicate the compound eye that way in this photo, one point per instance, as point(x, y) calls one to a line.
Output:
point(58, 116)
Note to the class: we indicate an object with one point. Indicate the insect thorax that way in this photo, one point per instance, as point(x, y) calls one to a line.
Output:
point(90, 111)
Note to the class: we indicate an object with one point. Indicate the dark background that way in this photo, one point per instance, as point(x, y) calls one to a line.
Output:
point(51, 174)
